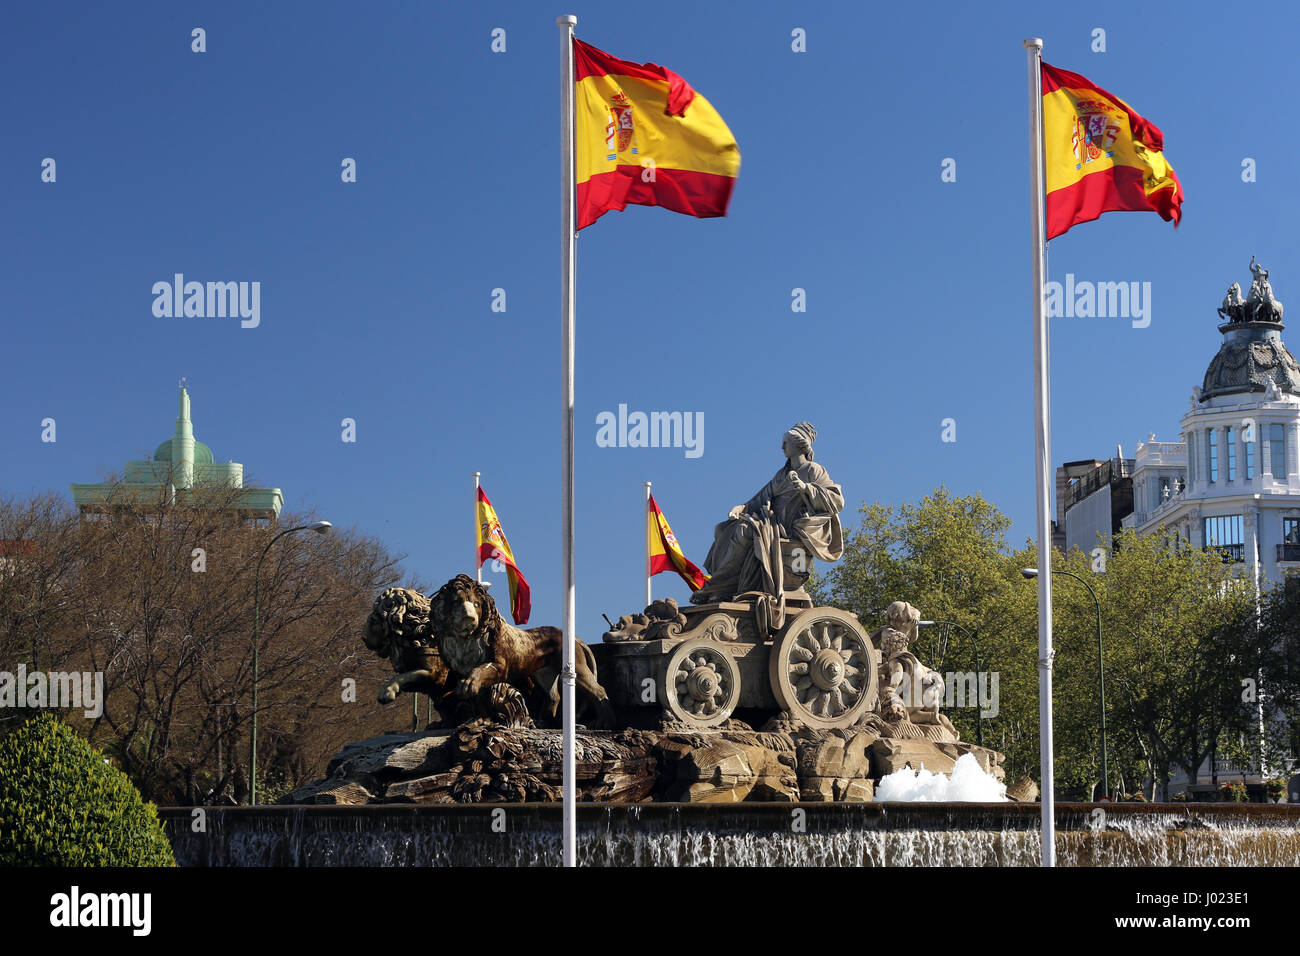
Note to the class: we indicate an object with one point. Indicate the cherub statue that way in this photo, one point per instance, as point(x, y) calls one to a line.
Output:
point(908, 689)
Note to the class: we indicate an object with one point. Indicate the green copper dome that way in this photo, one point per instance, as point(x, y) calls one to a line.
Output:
point(202, 453)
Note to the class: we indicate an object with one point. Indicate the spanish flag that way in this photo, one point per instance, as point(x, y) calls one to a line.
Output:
point(665, 552)
point(645, 137)
point(493, 546)
point(1100, 156)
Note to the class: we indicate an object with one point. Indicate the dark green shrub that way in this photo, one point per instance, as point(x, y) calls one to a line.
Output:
point(61, 804)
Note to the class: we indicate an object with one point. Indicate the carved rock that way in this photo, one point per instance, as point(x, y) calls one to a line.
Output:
point(488, 762)
point(1022, 790)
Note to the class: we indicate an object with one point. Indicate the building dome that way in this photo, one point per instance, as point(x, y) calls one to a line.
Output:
point(202, 453)
point(1252, 355)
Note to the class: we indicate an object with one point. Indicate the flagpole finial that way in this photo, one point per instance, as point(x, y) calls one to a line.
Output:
point(568, 20)
point(646, 483)
point(1034, 43)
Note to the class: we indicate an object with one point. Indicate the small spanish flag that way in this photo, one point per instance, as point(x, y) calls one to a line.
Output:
point(1100, 156)
point(665, 552)
point(493, 546)
point(645, 137)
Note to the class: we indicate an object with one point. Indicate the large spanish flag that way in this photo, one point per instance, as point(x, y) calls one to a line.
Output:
point(665, 552)
point(645, 137)
point(493, 546)
point(1100, 156)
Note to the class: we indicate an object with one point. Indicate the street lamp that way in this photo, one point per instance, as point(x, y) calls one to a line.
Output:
point(1101, 670)
point(321, 527)
point(979, 710)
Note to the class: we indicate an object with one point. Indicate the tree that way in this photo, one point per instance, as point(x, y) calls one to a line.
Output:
point(1173, 631)
point(157, 596)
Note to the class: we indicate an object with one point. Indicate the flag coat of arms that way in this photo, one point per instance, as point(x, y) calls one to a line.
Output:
point(1100, 156)
point(493, 546)
point(645, 137)
point(665, 553)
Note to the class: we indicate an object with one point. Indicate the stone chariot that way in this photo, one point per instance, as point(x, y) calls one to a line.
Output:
point(699, 664)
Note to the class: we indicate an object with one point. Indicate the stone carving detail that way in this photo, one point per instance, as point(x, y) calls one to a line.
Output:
point(479, 762)
point(457, 649)
point(398, 629)
point(821, 668)
point(701, 683)
point(768, 544)
point(483, 649)
point(661, 620)
point(909, 691)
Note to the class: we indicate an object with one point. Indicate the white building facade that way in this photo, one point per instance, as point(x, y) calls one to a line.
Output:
point(1232, 481)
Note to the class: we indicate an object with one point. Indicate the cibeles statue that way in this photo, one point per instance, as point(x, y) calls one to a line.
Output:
point(769, 543)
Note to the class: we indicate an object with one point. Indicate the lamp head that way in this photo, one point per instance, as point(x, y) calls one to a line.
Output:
point(321, 527)
point(1029, 572)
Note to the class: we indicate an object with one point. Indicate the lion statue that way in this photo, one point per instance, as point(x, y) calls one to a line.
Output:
point(482, 649)
point(398, 629)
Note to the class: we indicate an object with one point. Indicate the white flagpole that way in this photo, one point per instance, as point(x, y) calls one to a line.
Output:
point(478, 563)
point(568, 676)
point(1042, 457)
point(648, 599)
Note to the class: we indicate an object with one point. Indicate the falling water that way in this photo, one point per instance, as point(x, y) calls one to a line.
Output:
point(932, 834)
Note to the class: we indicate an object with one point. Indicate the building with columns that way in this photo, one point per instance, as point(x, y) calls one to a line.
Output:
point(177, 466)
point(1232, 481)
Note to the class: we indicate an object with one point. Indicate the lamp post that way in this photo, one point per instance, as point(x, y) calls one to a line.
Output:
point(979, 710)
point(1101, 671)
point(321, 527)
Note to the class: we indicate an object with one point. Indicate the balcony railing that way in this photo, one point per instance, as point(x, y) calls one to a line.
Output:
point(1230, 553)
point(1095, 480)
point(1288, 552)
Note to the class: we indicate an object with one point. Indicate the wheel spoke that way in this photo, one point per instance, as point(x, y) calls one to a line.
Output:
point(837, 702)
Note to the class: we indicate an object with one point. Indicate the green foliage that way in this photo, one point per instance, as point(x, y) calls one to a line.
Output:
point(1178, 633)
point(62, 804)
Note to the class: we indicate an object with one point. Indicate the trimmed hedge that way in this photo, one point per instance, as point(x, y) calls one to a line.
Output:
point(61, 804)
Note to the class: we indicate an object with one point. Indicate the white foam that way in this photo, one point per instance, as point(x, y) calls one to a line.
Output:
point(967, 784)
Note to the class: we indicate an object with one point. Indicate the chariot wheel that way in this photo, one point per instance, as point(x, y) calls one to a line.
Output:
point(700, 683)
point(823, 668)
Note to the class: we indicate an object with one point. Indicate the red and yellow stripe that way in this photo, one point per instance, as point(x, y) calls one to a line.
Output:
point(645, 137)
point(1100, 156)
point(665, 552)
point(493, 546)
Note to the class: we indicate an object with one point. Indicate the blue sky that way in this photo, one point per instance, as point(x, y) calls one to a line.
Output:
point(376, 295)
